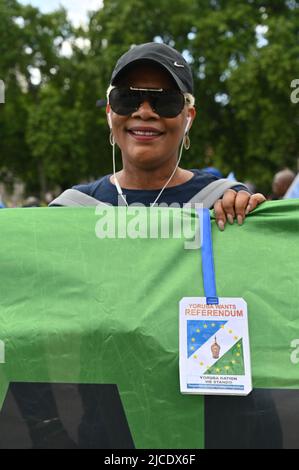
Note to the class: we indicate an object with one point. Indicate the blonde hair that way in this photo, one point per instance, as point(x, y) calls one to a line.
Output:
point(189, 99)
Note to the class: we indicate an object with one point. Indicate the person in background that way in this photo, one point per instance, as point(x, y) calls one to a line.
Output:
point(31, 201)
point(281, 183)
point(2, 205)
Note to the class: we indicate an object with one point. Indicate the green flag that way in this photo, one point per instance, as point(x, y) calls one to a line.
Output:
point(82, 302)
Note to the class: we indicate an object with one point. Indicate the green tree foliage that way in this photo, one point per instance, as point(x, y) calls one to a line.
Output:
point(244, 57)
point(30, 44)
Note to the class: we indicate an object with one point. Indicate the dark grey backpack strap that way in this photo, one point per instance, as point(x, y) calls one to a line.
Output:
point(207, 196)
point(212, 192)
point(75, 198)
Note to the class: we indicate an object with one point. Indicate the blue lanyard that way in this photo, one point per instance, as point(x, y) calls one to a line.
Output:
point(207, 258)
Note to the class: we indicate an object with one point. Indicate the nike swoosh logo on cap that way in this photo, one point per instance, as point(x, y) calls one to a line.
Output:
point(178, 65)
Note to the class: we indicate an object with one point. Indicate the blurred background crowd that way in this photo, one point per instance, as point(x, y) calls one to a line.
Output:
point(244, 56)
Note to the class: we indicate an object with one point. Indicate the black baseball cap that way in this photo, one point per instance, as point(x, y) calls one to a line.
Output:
point(165, 56)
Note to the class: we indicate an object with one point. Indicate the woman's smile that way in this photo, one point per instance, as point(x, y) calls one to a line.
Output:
point(145, 133)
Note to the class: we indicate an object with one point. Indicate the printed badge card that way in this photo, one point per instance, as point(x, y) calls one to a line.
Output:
point(214, 347)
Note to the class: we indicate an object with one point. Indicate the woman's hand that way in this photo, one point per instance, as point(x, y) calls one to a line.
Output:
point(235, 205)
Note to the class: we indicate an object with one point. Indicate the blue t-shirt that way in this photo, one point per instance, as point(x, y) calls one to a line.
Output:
point(105, 191)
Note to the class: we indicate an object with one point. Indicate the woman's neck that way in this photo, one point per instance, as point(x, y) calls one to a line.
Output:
point(154, 179)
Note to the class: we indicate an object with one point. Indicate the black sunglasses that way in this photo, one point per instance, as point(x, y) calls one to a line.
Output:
point(166, 103)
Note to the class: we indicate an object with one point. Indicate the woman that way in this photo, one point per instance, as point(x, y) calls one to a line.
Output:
point(150, 111)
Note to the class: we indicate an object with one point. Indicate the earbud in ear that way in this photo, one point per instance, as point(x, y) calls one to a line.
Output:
point(188, 124)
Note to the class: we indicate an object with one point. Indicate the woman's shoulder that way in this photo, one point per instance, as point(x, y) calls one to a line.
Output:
point(204, 174)
point(202, 177)
point(91, 188)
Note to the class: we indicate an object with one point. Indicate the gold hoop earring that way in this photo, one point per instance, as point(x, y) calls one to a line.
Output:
point(187, 142)
point(111, 139)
